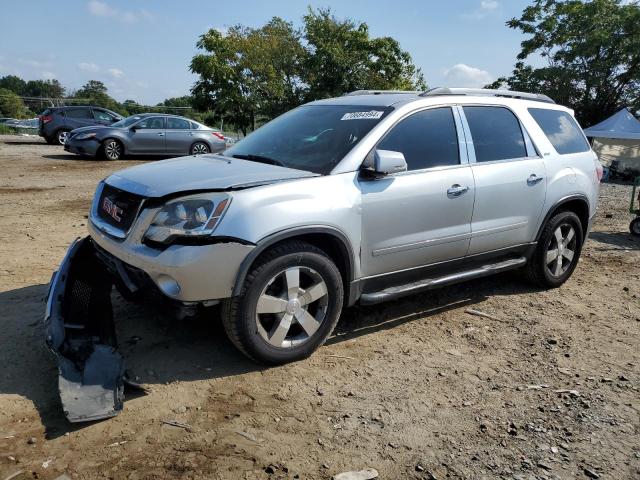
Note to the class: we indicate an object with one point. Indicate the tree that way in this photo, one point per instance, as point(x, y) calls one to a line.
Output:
point(342, 57)
point(592, 55)
point(44, 88)
point(13, 83)
point(250, 73)
point(94, 93)
point(11, 105)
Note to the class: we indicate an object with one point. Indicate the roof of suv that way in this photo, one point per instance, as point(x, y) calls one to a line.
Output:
point(387, 98)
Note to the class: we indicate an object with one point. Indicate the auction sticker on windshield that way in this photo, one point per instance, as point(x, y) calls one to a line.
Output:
point(370, 115)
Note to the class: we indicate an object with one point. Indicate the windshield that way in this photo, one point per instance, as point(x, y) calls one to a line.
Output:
point(126, 122)
point(312, 137)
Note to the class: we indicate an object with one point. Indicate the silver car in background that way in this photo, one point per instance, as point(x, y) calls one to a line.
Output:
point(359, 199)
point(146, 134)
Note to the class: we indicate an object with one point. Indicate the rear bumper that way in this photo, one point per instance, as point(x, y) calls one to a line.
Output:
point(82, 147)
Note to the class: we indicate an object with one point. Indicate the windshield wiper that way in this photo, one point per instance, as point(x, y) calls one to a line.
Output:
point(259, 158)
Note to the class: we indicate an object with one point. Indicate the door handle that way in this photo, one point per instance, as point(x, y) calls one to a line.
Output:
point(456, 190)
point(161, 134)
point(534, 179)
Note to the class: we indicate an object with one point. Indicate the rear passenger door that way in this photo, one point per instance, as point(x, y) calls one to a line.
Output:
point(179, 136)
point(510, 179)
point(421, 216)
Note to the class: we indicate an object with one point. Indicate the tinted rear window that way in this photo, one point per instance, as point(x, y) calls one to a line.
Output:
point(496, 133)
point(561, 129)
point(78, 113)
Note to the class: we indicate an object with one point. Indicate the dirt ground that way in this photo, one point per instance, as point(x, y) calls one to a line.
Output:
point(548, 387)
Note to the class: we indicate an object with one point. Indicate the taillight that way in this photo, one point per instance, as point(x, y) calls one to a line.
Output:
point(218, 134)
point(599, 170)
point(45, 118)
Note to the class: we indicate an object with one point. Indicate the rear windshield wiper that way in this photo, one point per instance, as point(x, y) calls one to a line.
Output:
point(259, 158)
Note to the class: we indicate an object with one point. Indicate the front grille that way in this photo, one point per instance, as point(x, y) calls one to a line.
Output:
point(117, 207)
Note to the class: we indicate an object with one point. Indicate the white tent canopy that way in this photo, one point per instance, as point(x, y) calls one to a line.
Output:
point(617, 139)
point(622, 125)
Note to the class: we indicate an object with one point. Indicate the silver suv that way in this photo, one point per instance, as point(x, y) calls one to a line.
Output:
point(359, 199)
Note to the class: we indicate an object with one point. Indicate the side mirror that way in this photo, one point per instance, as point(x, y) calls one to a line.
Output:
point(387, 162)
point(134, 128)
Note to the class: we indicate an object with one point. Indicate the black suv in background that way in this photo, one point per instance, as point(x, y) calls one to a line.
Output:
point(57, 122)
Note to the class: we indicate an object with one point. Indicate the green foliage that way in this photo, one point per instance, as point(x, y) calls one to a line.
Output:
point(342, 57)
point(11, 105)
point(592, 55)
point(44, 88)
point(252, 74)
point(13, 83)
point(94, 92)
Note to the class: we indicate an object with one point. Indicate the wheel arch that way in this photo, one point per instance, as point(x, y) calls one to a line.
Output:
point(328, 239)
point(578, 204)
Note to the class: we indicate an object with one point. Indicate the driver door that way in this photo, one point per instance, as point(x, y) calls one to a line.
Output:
point(147, 137)
point(421, 216)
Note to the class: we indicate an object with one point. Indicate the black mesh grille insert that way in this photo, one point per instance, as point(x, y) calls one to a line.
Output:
point(118, 208)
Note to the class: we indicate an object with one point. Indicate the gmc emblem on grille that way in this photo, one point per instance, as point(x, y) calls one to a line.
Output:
point(112, 209)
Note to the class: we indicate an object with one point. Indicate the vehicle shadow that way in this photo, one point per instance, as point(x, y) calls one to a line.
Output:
point(159, 349)
point(619, 240)
point(26, 142)
point(85, 158)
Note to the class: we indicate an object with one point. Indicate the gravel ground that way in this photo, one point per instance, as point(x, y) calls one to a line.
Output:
point(546, 386)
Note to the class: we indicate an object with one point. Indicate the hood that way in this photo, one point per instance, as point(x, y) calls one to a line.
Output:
point(197, 173)
point(90, 128)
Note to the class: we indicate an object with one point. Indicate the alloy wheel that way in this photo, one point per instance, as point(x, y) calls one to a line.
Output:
point(562, 250)
point(199, 149)
point(62, 137)
point(112, 150)
point(292, 307)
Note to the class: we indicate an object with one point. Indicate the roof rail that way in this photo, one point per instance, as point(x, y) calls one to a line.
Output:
point(378, 92)
point(537, 97)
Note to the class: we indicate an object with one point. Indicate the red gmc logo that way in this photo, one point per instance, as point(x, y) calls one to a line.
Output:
point(112, 209)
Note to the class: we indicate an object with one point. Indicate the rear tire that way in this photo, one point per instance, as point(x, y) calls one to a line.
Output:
point(51, 140)
point(60, 136)
point(288, 306)
point(200, 148)
point(557, 252)
point(111, 149)
point(634, 227)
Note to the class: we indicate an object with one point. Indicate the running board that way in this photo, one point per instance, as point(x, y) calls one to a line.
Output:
point(393, 293)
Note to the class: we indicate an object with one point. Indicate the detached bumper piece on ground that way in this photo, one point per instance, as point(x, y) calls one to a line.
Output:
point(79, 329)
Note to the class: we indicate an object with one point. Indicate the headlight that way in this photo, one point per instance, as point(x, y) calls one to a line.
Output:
point(85, 136)
point(195, 216)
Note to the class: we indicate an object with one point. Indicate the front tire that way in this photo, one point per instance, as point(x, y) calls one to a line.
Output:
point(112, 149)
point(558, 250)
point(634, 227)
point(288, 306)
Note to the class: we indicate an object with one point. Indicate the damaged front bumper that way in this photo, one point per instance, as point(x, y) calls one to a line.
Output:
point(80, 331)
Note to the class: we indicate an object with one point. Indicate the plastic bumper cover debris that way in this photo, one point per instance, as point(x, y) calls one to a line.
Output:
point(80, 331)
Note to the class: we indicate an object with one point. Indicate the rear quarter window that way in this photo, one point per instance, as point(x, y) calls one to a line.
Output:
point(561, 129)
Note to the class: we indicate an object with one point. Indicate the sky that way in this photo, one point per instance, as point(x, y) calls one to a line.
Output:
point(141, 49)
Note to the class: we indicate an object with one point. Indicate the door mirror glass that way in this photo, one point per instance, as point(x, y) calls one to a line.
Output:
point(387, 162)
